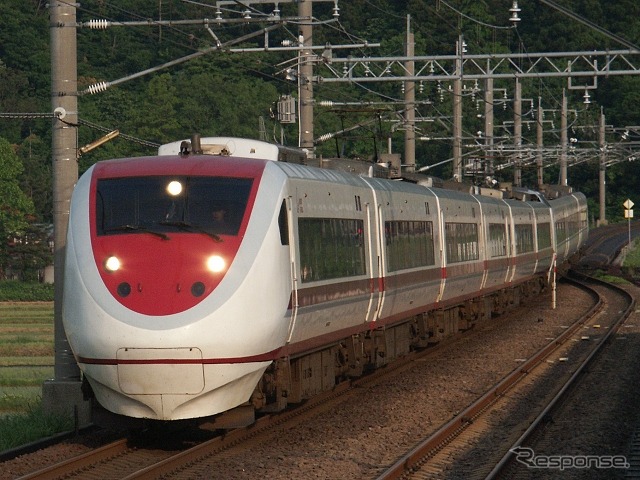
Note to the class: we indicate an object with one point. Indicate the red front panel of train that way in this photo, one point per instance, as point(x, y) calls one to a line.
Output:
point(164, 230)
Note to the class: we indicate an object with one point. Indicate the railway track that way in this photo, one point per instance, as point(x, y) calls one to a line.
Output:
point(605, 244)
point(492, 436)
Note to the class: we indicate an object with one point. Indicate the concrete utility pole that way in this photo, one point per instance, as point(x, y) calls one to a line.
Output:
point(305, 76)
point(488, 124)
point(62, 395)
point(517, 134)
point(410, 105)
point(563, 140)
point(602, 179)
point(539, 144)
point(457, 113)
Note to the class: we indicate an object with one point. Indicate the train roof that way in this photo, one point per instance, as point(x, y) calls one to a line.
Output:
point(234, 147)
point(388, 169)
point(226, 146)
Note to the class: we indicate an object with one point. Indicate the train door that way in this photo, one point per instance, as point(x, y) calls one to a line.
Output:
point(511, 247)
point(483, 248)
point(536, 249)
point(288, 225)
point(378, 259)
point(372, 222)
point(443, 250)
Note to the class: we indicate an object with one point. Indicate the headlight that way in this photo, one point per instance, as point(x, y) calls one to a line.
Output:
point(112, 264)
point(216, 263)
point(174, 188)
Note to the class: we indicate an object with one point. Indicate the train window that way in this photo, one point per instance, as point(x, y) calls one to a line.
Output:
point(524, 238)
point(283, 224)
point(409, 244)
point(331, 248)
point(574, 224)
point(161, 204)
point(461, 241)
point(544, 235)
point(561, 231)
point(497, 240)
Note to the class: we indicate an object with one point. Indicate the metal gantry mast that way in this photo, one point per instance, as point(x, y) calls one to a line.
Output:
point(575, 67)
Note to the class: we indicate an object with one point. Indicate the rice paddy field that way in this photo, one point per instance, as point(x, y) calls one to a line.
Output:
point(26, 354)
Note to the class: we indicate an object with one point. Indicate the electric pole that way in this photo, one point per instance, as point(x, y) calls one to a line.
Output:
point(602, 179)
point(517, 134)
point(410, 105)
point(62, 395)
point(539, 144)
point(563, 140)
point(305, 76)
point(488, 124)
point(457, 113)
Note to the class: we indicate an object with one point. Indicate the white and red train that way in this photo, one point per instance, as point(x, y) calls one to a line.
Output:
point(314, 275)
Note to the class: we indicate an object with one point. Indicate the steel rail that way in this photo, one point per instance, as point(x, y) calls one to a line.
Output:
point(81, 461)
point(509, 456)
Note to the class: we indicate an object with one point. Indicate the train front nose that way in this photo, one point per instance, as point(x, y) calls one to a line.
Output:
point(158, 277)
point(160, 371)
point(163, 243)
point(171, 383)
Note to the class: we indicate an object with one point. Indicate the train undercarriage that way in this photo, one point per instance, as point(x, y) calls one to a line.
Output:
point(294, 380)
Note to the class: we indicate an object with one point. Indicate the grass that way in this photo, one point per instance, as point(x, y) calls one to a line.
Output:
point(611, 278)
point(632, 259)
point(12, 290)
point(24, 376)
point(26, 361)
point(20, 429)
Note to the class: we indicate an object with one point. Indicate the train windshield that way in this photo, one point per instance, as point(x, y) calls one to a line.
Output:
point(162, 204)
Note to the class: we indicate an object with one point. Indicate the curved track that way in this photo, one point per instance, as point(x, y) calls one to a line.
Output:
point(459, 449)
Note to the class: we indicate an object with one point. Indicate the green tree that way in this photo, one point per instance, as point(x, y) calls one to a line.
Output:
point(36, 179)
point(29, 254)
point(223, 104)
point(15, 206)
point(157, 116)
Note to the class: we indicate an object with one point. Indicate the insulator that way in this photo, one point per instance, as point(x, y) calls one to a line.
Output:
point(98, 87)
point(98, 24)
point(326, 103)
point(514, 13)
point(325, 137)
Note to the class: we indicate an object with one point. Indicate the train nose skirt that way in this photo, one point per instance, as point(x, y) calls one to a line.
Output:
point(153, 371)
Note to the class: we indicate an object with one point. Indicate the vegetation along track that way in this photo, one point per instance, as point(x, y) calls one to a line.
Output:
point(482, 441)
